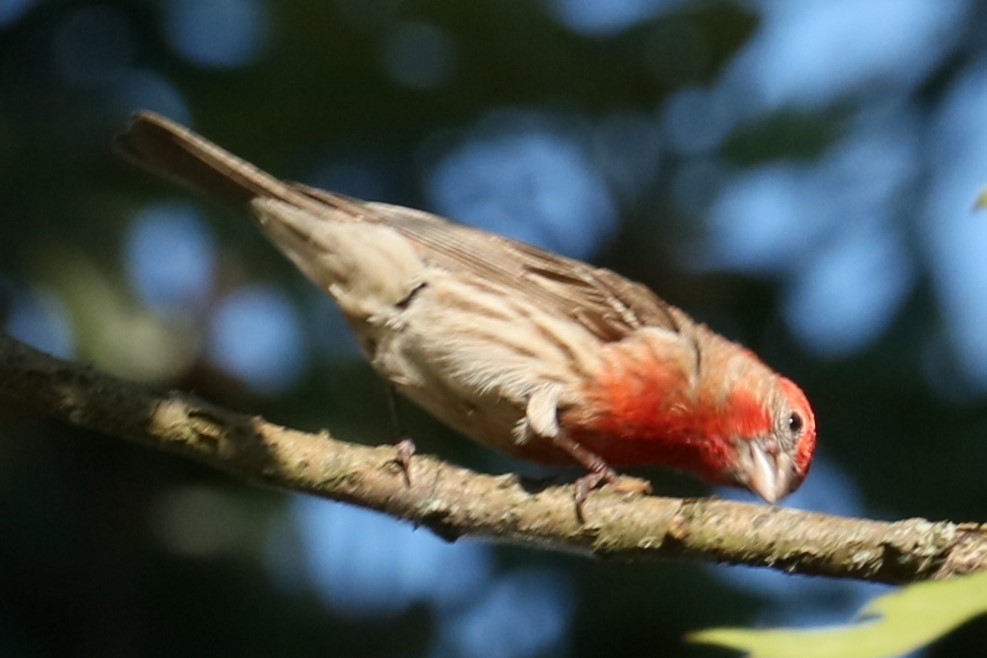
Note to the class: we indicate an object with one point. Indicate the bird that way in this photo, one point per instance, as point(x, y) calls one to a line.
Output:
point(541, 356)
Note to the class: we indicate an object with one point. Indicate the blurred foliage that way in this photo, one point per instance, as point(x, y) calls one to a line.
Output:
point(890, 625)
point(94, 560)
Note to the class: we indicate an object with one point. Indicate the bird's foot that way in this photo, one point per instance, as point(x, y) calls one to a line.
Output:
point(405, 451)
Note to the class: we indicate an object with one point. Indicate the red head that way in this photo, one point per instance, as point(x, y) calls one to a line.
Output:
point(772, 454)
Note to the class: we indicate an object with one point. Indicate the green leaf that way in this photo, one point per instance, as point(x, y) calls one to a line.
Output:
point(980, 203)
point(890, 625)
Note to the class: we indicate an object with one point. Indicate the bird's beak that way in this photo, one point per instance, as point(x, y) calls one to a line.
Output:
point(769, 473)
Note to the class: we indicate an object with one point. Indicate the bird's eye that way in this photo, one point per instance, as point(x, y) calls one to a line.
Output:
point(795, 422)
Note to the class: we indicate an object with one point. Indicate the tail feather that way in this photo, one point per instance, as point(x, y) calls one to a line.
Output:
point(173, 151)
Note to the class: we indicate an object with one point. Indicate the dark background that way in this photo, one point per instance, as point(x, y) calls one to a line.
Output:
point(798, 175)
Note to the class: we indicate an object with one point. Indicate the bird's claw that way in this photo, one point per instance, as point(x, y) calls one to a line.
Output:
point(606, 476)
point(405, 451)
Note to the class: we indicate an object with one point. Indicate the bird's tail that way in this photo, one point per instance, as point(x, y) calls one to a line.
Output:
point(175, 152)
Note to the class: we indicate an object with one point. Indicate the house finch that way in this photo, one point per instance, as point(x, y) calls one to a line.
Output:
point(541, 356)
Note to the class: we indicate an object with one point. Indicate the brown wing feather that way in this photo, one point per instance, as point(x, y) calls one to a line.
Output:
point(604, 302)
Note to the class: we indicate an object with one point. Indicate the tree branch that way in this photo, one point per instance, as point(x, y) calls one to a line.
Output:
point(455, 502)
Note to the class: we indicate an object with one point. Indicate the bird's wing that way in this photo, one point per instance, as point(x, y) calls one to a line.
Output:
point(604, 302)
